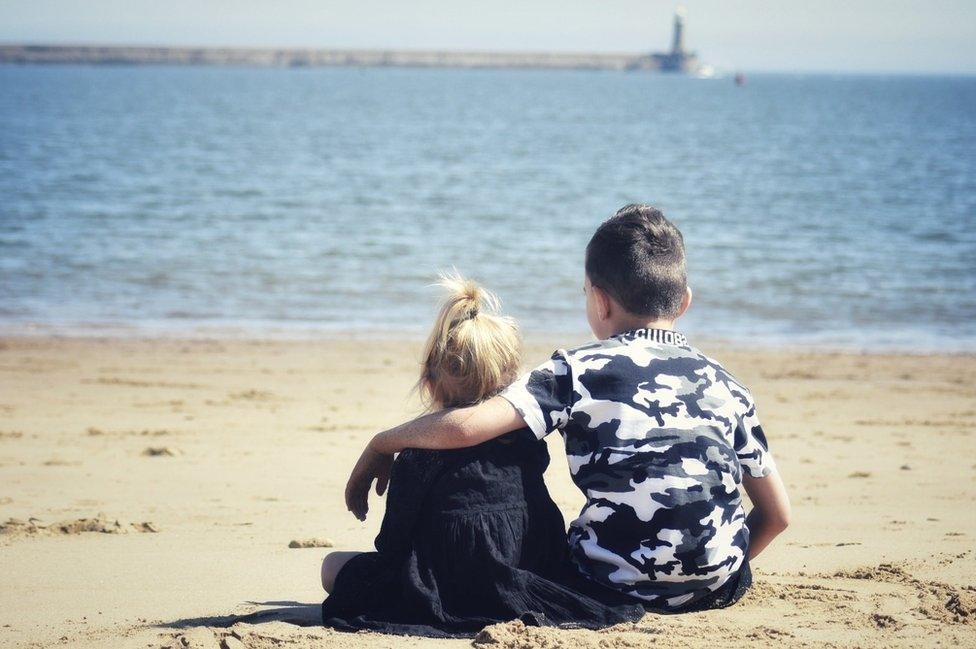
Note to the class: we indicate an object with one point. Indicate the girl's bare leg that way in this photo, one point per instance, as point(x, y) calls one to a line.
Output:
point(332, 565)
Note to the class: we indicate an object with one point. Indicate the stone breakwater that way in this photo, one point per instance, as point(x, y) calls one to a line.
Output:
point(266, 57)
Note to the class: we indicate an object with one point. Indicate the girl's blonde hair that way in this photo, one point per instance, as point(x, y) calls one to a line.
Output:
point(473, 352)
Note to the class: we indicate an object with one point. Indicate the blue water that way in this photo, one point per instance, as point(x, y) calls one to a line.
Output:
point(816, 209)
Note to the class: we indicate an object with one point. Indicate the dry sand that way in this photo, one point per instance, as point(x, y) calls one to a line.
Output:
point(155, 487)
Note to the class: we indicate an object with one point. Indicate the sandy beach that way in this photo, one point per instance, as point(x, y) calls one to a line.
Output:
point(151, 489)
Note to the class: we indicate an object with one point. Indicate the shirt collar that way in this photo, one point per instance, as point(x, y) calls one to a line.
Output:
point(663, 336)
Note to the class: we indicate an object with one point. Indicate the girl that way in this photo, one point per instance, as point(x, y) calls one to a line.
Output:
point(471, 536)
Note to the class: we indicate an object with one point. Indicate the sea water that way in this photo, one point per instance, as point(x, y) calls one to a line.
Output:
point(816, 210)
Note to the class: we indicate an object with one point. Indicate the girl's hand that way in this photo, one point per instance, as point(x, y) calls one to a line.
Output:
point(372, 465)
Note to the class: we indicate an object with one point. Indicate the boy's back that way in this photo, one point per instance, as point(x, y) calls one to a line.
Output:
point(657, 436)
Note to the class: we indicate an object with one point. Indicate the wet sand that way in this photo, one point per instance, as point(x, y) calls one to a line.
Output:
point(151, 490)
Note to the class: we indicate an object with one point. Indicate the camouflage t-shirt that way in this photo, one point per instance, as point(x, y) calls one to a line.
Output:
point(657, 436)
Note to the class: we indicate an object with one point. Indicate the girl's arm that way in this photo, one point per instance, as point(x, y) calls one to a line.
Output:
point(446, 429)
point(770, 513)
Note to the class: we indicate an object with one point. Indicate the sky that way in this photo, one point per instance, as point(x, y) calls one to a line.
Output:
point(779, 35)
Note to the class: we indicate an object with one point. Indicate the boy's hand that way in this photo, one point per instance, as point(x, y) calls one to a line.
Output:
point(372, 465)
point(444, 429)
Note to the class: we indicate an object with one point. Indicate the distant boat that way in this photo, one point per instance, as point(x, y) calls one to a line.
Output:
point(740, 79)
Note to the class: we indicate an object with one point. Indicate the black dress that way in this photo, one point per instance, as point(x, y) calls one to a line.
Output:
point(470, 537)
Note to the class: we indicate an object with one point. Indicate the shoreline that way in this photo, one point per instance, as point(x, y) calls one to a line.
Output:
point(760, 343)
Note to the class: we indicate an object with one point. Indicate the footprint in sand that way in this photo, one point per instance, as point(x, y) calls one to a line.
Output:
point(15, 527)
point(161, 451)
point(939, 602)
point(92, 431)
point(252, 395)
point(883, 621)
point(311, 543)
point(197, 638)
point(135, 383)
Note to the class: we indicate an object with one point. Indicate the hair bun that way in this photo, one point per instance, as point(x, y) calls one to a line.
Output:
point(465, 298)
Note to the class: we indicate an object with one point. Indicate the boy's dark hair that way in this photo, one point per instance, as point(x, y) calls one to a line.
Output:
point(638, 257)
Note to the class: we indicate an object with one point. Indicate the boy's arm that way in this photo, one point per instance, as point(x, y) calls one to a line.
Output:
point(770, 513)
point(446, 429)
point(451, 428)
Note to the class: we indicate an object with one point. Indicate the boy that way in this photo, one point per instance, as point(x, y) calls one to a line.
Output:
point(658, 436)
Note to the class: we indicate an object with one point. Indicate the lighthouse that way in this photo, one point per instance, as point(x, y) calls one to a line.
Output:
point(678, 37)
point(678, 59)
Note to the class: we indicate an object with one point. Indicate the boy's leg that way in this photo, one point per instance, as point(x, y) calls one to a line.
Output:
point(331, 566)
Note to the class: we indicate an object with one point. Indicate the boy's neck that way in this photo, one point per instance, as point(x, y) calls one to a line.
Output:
point(623, 325)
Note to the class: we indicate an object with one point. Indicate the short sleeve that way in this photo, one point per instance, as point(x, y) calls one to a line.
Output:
point(751, 447)
point(544, 396)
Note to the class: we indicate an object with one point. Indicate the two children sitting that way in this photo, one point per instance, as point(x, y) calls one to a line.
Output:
point(659, 438)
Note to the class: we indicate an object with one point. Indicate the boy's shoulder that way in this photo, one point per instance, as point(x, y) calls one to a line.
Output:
point(637, 356)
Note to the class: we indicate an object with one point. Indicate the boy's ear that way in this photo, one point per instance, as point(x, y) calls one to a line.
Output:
point(686, 302)
point(603, 303)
